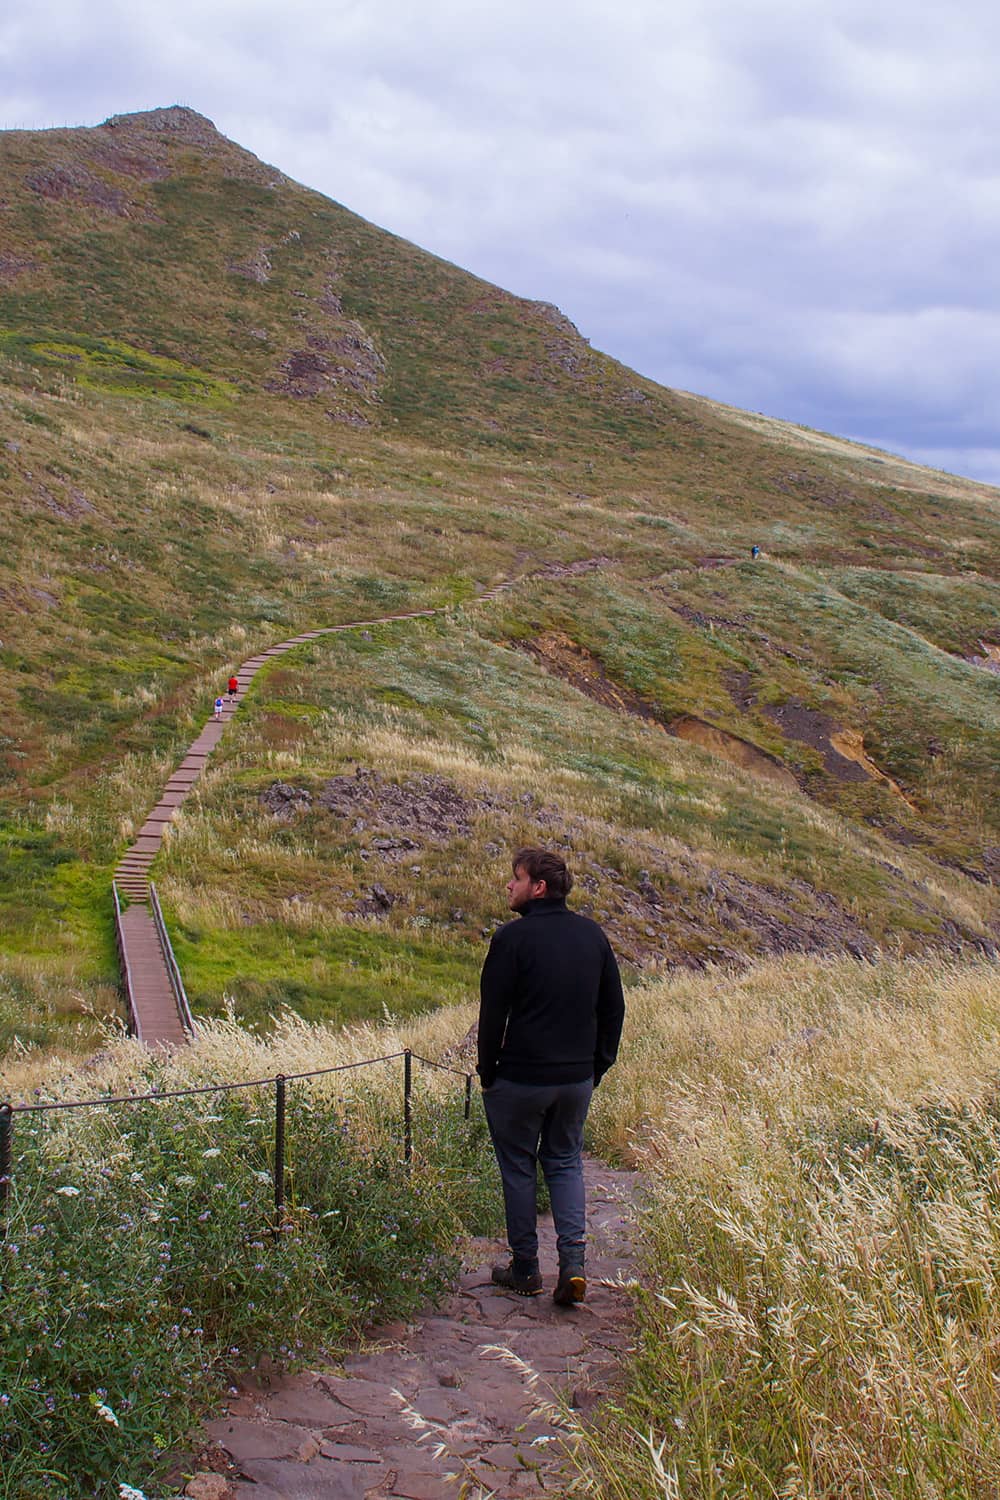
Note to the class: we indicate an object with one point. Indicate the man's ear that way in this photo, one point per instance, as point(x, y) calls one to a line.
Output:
point(542, 889)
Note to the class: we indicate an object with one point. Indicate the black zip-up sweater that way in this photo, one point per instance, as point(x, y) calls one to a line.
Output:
point(551, 1004)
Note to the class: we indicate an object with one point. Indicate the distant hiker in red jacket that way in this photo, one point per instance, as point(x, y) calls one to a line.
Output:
point(234, 687)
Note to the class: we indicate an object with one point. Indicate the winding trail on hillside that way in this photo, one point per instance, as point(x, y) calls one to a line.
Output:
point(158, 1013)
point(488, 1392)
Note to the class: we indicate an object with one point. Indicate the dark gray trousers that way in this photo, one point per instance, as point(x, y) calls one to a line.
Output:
point(531, 1123)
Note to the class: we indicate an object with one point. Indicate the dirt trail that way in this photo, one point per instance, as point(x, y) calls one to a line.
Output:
point(436, 1404)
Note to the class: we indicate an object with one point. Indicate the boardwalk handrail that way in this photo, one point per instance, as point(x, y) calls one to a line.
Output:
point(176, 983)
point(134, 1024)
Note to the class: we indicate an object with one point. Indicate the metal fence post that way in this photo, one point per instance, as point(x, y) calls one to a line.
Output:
point(468, 1095)
point(279, 1151)
point(6, 1136)
point(408, 1106)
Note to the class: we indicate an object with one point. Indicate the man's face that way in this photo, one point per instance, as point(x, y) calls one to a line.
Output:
point(521, 889)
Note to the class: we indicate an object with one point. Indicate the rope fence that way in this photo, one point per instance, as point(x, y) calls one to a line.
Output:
point(279, 1081)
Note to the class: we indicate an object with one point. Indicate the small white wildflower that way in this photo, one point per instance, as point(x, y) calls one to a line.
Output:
point(184, 1181)
point(69, 1192)
point(263, 1176)
point(105, 1413)
point(136, 1177)
point(210, 1119)
point(212, 1151)
point(129, 1492)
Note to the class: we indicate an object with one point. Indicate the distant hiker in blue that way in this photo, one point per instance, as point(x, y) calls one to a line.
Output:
point(218, 708)
point(550, 1019)
point(755, 552)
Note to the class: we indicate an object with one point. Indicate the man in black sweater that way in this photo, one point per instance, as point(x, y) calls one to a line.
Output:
point(550, 1019)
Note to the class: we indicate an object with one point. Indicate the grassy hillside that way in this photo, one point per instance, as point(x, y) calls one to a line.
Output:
point(231, 410)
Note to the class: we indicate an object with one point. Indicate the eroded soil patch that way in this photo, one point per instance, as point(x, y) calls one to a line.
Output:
point(843, 750)
point(561, 655)
point(738, 752)
point(990, 659)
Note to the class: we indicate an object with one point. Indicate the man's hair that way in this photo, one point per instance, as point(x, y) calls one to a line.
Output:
point(542, 864)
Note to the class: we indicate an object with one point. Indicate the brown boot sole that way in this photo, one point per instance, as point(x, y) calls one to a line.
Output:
point(569, 1291)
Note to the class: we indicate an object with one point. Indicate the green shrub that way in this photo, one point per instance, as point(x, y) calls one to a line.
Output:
point(143, 1260)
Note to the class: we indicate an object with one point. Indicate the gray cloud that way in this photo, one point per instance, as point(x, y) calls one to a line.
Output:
point(791, 205)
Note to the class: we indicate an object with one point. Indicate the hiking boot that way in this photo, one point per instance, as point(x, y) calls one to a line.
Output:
point(571, 1286)
point(526, 1281)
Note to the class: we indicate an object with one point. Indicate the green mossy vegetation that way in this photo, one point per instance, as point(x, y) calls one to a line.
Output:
point(332, 971)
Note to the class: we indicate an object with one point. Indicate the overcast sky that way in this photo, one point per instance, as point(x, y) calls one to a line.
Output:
point(789, 205)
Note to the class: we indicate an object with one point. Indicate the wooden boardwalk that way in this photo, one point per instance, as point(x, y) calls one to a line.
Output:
point(158, 1015)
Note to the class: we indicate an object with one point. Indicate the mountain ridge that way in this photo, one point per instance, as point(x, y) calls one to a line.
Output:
point(232, 411)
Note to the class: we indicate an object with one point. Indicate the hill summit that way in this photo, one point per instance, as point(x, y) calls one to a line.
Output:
point(744, 673)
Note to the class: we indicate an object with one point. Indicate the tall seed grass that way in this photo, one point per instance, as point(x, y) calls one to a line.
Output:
point(821, 1243)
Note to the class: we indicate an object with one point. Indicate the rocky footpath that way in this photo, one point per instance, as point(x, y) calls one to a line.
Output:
point(479, 1398)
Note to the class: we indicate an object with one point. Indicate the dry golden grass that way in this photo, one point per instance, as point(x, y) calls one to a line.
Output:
point(710, 1059)
point(823, 1232)
point(224, 1052)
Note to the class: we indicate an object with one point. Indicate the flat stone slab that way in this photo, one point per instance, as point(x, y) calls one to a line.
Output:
point(350, 1453)
point(360, 1397)
point(283, 1479)
point(316, 1406)
point(420, 1484)
point(246, 1441)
